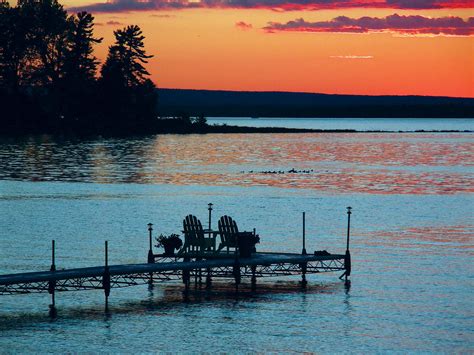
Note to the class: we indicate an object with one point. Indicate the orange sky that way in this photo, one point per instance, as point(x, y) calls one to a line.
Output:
point(204, 49)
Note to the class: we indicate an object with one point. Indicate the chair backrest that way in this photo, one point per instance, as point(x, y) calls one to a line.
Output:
point(192, 228)
point(228, 230)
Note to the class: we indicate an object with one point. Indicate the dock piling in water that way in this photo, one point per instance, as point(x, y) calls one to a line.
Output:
point(151, 256)
point(209, 278)
point(254, 278)
point(106, 277)
point(347, 256)
point(52, 283)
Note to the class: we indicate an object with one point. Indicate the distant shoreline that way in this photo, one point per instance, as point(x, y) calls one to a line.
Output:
point(269, 104)
point(246, 129)
point(216, 129)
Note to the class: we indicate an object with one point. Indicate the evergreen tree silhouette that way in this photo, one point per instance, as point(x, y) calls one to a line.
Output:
point(48, 26)
point(129, 96)
point(127, 56)
point(80, 65)
point(78, 85)
point(48, 76)
point(16, 48)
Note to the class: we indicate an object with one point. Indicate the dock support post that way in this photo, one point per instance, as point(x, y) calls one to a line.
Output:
point(303, 252)
point(197, 275)
point(236, 267)
point(151, 257)
point(347, 266)
point(186, 279)
point(304, 282)
point(254, 278)
point(198, 279)
point(237, 276)
point(304, 266)
point(52, 284)
point(347, 257)
point(209, 278)
point(106, 277)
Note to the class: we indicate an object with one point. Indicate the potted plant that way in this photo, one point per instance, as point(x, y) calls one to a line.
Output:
point(170, 243)
point(246, 242)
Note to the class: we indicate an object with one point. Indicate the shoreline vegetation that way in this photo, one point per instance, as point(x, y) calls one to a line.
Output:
point(51, 83)
point(267, 104)
point(212, 129)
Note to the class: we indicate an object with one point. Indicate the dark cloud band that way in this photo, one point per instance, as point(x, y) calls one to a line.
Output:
point(280, 5)
point(409, 25)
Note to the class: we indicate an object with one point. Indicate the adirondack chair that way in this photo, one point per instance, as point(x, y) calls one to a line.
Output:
point(229, 233)
point(194, 236)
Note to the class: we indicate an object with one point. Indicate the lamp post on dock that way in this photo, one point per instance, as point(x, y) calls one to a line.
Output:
point(151, 258)
point(210, 214)
point(303, 252)
point(348, 226)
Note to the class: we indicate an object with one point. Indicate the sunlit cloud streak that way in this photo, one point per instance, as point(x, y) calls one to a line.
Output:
point(352, 56)
point(407, 25)
point(112, 6)
point(162, 15)
point(241, 25)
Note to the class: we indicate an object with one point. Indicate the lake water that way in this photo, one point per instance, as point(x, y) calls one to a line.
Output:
point(358, 124)
point(412, 244)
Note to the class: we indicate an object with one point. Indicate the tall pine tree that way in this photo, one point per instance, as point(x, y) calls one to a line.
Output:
point(130, 97)
point(127, 56)
point(78, 81)
point(80, 65)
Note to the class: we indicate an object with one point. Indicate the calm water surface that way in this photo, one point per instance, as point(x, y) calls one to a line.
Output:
point(412, 243)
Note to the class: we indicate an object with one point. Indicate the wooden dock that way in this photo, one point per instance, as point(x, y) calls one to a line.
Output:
point(188, 266)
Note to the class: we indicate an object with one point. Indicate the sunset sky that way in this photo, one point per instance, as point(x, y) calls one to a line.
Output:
point(373, 47)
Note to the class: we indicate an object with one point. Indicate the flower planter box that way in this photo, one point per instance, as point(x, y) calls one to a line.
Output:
point(246, 243)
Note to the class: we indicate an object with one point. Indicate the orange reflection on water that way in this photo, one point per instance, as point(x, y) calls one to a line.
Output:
point(373, 149)
point(346, 162)
point(460, 236)
point(366, 163)
point(379, 182)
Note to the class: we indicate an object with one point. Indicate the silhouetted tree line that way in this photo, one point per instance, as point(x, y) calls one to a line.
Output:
point(49, 78)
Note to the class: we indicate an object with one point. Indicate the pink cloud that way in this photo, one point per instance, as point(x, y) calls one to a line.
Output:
point(113, 23)
point(241, 25)
point(407, 25)
point(277, 5)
